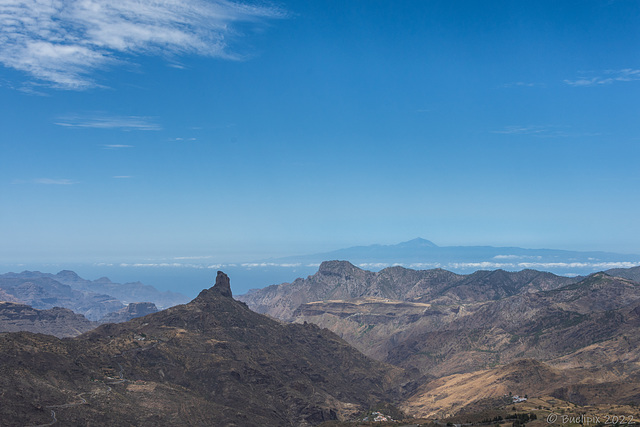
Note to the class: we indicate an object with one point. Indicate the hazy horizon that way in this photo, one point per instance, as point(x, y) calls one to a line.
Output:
point(189, 275)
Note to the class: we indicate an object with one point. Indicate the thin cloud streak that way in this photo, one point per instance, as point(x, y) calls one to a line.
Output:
point(44, 181)
point(126, 123)
point(115, 146)
point(523, 84)
point(51, 181)
point(61, 42)
point(610, 76)
point(418, 265)
point(542, 132)
point(521, 130)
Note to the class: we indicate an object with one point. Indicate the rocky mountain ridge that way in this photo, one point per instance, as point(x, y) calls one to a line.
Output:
point(209, 362)
point(442, 338)
point(62, 322)
point(57, 321)
point(451, 329)
point(342, 280)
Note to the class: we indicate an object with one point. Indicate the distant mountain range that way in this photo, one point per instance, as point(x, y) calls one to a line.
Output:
point(93, 299)
point(424, 254)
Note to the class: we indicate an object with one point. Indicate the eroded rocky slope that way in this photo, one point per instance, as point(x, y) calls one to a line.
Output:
point(60, 322)
point(341, 280)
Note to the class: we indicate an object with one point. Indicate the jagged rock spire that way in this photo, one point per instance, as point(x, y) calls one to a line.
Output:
point(223, 285)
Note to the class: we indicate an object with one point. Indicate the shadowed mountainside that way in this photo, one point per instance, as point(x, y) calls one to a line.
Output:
point(632, 273)
point(209, 362)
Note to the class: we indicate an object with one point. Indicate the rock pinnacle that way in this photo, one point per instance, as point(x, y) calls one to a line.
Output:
point(223, 285)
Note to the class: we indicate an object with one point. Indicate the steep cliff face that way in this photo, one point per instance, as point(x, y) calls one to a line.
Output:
point(443, 339)
point(581, 341)
point(131, 311)
point(209, 362)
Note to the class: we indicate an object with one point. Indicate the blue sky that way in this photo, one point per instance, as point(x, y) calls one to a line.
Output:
point(240, 131)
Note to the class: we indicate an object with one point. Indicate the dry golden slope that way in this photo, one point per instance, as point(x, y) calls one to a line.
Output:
point(448, 395)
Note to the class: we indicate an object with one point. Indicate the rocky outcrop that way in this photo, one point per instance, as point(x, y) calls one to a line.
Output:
point(131, 311)
point(223, 285)
point(60, 322)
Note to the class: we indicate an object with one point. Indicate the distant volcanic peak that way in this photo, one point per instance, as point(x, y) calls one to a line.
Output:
point(223, 285)
point(419, 243)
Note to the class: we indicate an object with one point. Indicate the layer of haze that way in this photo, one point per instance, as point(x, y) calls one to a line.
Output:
point(162, 130)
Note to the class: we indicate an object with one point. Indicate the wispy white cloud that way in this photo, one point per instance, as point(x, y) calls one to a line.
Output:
point(269, 264)
point(593, 265)
point(194, 257)
point(517, 257)
point(116, 146)
point(61, 42)
point(607, 77)
point(543, 131)
point(523, 84)
point(247, 265)
point(542, 265)
point(374, 265)
point(565, 268)
point(520, 130)
point(51, 181)
point(100, 121)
